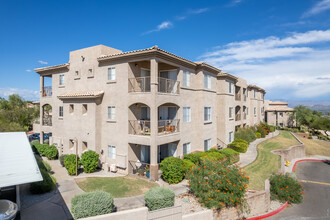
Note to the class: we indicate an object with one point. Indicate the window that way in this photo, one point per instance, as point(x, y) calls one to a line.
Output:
point(77, 74)
point(207, 144)
point(84, 109)
point(111, 112)
point(90, 72)
point(231, 136)
point(112, 73)
point(186, 148)
point(145, 154)
point(186, 114)
point(207, 81)
point(281, 114)
point(255, 111)
point(71, 108)
point(207, 113)
point(247, 110)
point(61, 80)
point(84, 146)
point(60, 111)
point(255, 94)
point(247, 93)
point(186, 78)
point(231, 87)
point(112, 152)
point(231, 112)
point(71, 143)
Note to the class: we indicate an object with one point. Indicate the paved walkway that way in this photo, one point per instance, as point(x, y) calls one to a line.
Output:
point(252, 153)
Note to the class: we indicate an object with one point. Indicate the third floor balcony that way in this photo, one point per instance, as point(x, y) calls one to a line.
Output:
point(142, 84)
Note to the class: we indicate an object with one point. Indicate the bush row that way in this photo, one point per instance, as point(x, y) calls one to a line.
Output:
point(49, 151)
point(89, 160)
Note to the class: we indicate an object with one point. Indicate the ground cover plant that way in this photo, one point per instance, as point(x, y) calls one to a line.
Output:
point(285, 188)
point(217, 185)
point(159, 198)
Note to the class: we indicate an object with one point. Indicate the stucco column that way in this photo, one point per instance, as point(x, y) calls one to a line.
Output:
point(153, 120)
point(41, 137)
point(41, 84)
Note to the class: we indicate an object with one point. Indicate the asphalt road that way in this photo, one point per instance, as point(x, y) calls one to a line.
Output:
point(316, 204)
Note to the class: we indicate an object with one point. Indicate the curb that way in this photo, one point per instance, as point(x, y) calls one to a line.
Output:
point(285, 204)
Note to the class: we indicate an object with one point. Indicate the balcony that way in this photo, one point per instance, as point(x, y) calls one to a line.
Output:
point(166, 85)
point(244, 116)
point(139, 84)
point(244, 98)
point(142, 127)
point(47, 121)
point(238, 97)
point(47, 91)
point(237, 117)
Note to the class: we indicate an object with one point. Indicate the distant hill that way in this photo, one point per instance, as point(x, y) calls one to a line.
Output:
point(321, 108)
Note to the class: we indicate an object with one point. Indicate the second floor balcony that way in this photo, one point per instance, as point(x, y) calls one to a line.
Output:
point(47, 91)
point(47, 121)
point(238, 97)
point(237, 117)
point(142, 84)
point(143, 127)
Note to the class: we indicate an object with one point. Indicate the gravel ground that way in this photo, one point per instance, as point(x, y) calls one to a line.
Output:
point(189, 204)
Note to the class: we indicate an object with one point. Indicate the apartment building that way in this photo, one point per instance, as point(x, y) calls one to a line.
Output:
point(278, 114)
point(142, 106)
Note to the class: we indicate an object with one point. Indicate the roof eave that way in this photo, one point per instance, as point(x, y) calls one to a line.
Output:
point(50, 68)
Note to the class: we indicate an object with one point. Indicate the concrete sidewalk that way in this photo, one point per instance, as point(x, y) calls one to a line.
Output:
point(251, 154)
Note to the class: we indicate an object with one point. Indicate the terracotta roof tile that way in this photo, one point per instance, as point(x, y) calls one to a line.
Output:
point(89, 94)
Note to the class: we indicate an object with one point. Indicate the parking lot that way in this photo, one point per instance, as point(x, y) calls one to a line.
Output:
point(315, 177)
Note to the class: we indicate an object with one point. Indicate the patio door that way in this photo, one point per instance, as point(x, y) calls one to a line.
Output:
point(145, 154)
point(173, 76)
point(172, 149)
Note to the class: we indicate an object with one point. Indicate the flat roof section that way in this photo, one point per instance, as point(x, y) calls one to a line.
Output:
point(17, 162)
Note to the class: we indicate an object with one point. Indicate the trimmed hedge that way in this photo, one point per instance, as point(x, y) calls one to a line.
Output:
point(91, 204)
point(232, 155)
point(50, 152)
point(70, 164)
point(172, 169)
point(159, 198)
point(239, 145)
point(90, 161)
point(43, 164)
point(44, 186)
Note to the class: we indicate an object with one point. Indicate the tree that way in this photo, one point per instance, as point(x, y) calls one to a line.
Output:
point(15, 114)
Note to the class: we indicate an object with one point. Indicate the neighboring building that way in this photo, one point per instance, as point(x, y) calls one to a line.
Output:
point(143, 105)
point(278, 114)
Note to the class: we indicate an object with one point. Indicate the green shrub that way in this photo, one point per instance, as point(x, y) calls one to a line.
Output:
point(246, 134)
point(194, 157)
point(70, 163)
point(46, 141)
point(239, 145)
point(44, 186)
point(41, 148)
point(91, 204)
point(61, 159)
point(43, 164)
point(172, 169)
point(187, 164)
point(217, 185)
point(90, 161)
point(213, 156)
point(47, 166)
point(232, 155)
point(272, 128)
point(212, 150)
point(258, 135)
point(159, 198)
point(285, 188)
point(50, 152)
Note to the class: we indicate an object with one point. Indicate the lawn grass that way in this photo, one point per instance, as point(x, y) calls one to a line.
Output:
point(266, 162)
point(316, 147)
point(118, 186)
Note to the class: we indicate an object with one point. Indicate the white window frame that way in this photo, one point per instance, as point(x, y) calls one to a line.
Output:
point(281, 114)
point(186, 114)
point(207, 144)
point(231, 136)
point(111, 73)
point(207, 113)
point(186, 78)
point(61, 80)
point(111, 112)
point(255, 111)
point(186, 148)
point(207, 81)
point(60, 111)
point(112, 151)
point(231, 88)
point(231, 111)
point(255, 94)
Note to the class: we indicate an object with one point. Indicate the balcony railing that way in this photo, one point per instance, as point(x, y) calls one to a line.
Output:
point(168, 85)
point(47, 91)
point(244, 116)
point(238, 97)
point(142, 127)
point(139, 127)
point(168, 126)
point(139, 84)
point(237, 117)
point(244, 97)
point(47, 121)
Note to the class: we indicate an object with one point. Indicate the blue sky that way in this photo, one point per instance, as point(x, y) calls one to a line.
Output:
point(280, 45)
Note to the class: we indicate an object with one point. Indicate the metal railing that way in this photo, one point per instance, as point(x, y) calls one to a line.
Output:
point(244, 115)
point(137, 167)
point(222, 144)
point(139, 84)
point(238, 97)
point(47, 121)
point(139, 127)
point(47, 91)
point(237, 117)
point(244, 97)
point(168, 85)
point(168, 126)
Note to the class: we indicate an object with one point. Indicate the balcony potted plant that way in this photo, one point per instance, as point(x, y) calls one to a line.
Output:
point(140, 172)
point(147, 172)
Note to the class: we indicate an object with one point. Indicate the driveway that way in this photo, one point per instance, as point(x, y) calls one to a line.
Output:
point(315, 177)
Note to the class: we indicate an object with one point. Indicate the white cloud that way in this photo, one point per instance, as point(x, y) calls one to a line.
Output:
point(28, 95)
point(197, 11)
point(161, 26)
point(320, 7)
point(42, 62)
point(294, 66)
point(28, 70)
